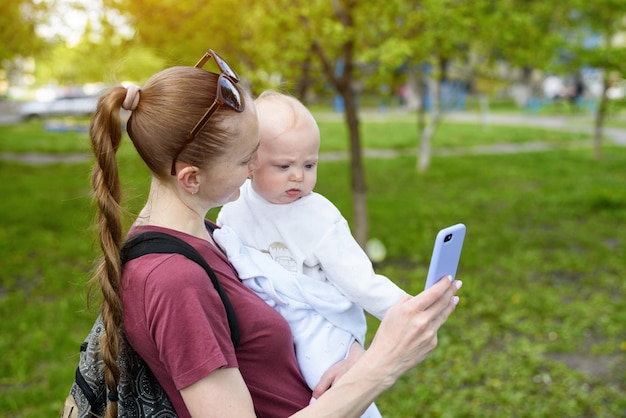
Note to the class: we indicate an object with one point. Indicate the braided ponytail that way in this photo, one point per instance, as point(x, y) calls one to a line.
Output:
point(106, 136)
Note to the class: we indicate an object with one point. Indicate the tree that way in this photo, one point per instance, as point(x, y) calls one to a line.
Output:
point(18, 37)
point(439, 33)
point(295, 39)
point(102, 53)
point(289, 43)
point(337, 34)
point(18, 21)
point(474, 36)
point(181, 31)
point(606, 18)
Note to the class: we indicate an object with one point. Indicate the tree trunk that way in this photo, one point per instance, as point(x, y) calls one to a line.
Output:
point(425, 148)
point(599, 121)
point(357, 174)
point(422, 91)
point(305, 78)
point(341, 75)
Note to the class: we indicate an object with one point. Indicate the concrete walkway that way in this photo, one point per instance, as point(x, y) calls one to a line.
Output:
point(578, 123)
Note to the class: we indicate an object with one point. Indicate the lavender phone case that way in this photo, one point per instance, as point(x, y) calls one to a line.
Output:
point(446, 253)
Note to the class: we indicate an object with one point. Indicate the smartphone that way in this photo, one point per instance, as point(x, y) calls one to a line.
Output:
point(446, 253)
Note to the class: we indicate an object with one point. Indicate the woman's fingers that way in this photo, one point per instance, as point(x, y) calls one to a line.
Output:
point(440, 293)
point(408, 333)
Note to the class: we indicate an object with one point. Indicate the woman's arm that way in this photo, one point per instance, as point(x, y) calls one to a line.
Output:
point(223, 393)
point(407, 334)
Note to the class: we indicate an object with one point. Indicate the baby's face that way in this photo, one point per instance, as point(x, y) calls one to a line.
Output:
point(284, 168)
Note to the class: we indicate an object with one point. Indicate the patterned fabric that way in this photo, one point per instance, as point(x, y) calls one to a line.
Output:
point(139, 393)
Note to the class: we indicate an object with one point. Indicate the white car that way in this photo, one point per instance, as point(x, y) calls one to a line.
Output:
point(62, 106)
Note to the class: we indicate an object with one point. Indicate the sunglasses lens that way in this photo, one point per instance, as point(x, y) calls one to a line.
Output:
point(229, 94)
point(225, 67)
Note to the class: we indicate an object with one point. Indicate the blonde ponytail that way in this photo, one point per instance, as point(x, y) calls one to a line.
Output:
point(106, 136)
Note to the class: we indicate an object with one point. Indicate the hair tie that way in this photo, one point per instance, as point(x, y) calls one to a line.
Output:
point(113, 396)
point(132, 97)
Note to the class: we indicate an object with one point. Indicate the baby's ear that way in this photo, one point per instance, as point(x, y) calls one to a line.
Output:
point(253, 165)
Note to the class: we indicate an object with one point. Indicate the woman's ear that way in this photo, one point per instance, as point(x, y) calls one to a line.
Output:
point(189, 179)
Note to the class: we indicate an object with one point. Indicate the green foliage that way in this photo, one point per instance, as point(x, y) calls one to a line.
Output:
point(18, 20)
point(385, 36)
point(105, 63)
point(543, 270)
point(180, 30)
point(521, 32)
point(604, 18)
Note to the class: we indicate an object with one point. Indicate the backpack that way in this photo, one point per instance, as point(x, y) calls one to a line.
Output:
point(138, 394)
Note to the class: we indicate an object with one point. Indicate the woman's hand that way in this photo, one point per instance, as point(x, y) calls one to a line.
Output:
point(406, 335)
point(338, 369)
point(408, 332)
point(417, 320)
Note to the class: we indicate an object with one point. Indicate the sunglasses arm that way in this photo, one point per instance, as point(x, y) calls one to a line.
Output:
point(207, 56)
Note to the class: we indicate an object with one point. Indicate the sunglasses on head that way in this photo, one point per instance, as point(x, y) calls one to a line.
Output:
point(227, 94)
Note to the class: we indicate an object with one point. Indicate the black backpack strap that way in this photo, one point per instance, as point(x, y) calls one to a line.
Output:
point(82, 383)
point(161, 243)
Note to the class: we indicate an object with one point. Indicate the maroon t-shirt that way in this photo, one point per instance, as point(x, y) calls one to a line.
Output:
point(176, 321)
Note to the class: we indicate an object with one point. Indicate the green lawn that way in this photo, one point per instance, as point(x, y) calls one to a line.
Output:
point(49, 136)
point(376, 134)
point(544, 267)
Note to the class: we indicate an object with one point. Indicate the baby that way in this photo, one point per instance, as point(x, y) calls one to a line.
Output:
point(293, 247)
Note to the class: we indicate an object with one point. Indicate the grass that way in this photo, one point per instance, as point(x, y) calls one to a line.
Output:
point(543, 266)
point(46, 136)
point(36, 136)
point(543, 270)
point(377, 135)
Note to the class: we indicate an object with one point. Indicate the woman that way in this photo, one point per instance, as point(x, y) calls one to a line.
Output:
point(197, 131)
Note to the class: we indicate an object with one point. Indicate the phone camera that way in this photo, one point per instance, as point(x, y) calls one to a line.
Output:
point(447, 238)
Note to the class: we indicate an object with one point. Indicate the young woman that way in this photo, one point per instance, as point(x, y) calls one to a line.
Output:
point(197, 131)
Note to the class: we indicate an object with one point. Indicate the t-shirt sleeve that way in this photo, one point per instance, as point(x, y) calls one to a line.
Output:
point(187, 321)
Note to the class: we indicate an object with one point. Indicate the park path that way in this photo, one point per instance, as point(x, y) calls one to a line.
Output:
point(579, 123)
point(574, 123)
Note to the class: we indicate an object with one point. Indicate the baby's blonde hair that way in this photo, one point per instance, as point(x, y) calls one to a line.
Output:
point(294, 109)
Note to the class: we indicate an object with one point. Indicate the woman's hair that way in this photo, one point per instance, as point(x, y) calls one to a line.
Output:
point(169, 106)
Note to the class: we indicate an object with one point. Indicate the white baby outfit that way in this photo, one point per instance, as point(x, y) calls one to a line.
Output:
point(302, 260)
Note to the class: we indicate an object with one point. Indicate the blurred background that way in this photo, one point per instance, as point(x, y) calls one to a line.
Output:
point(423, 56)
point(507, 115)
point(393, 54)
